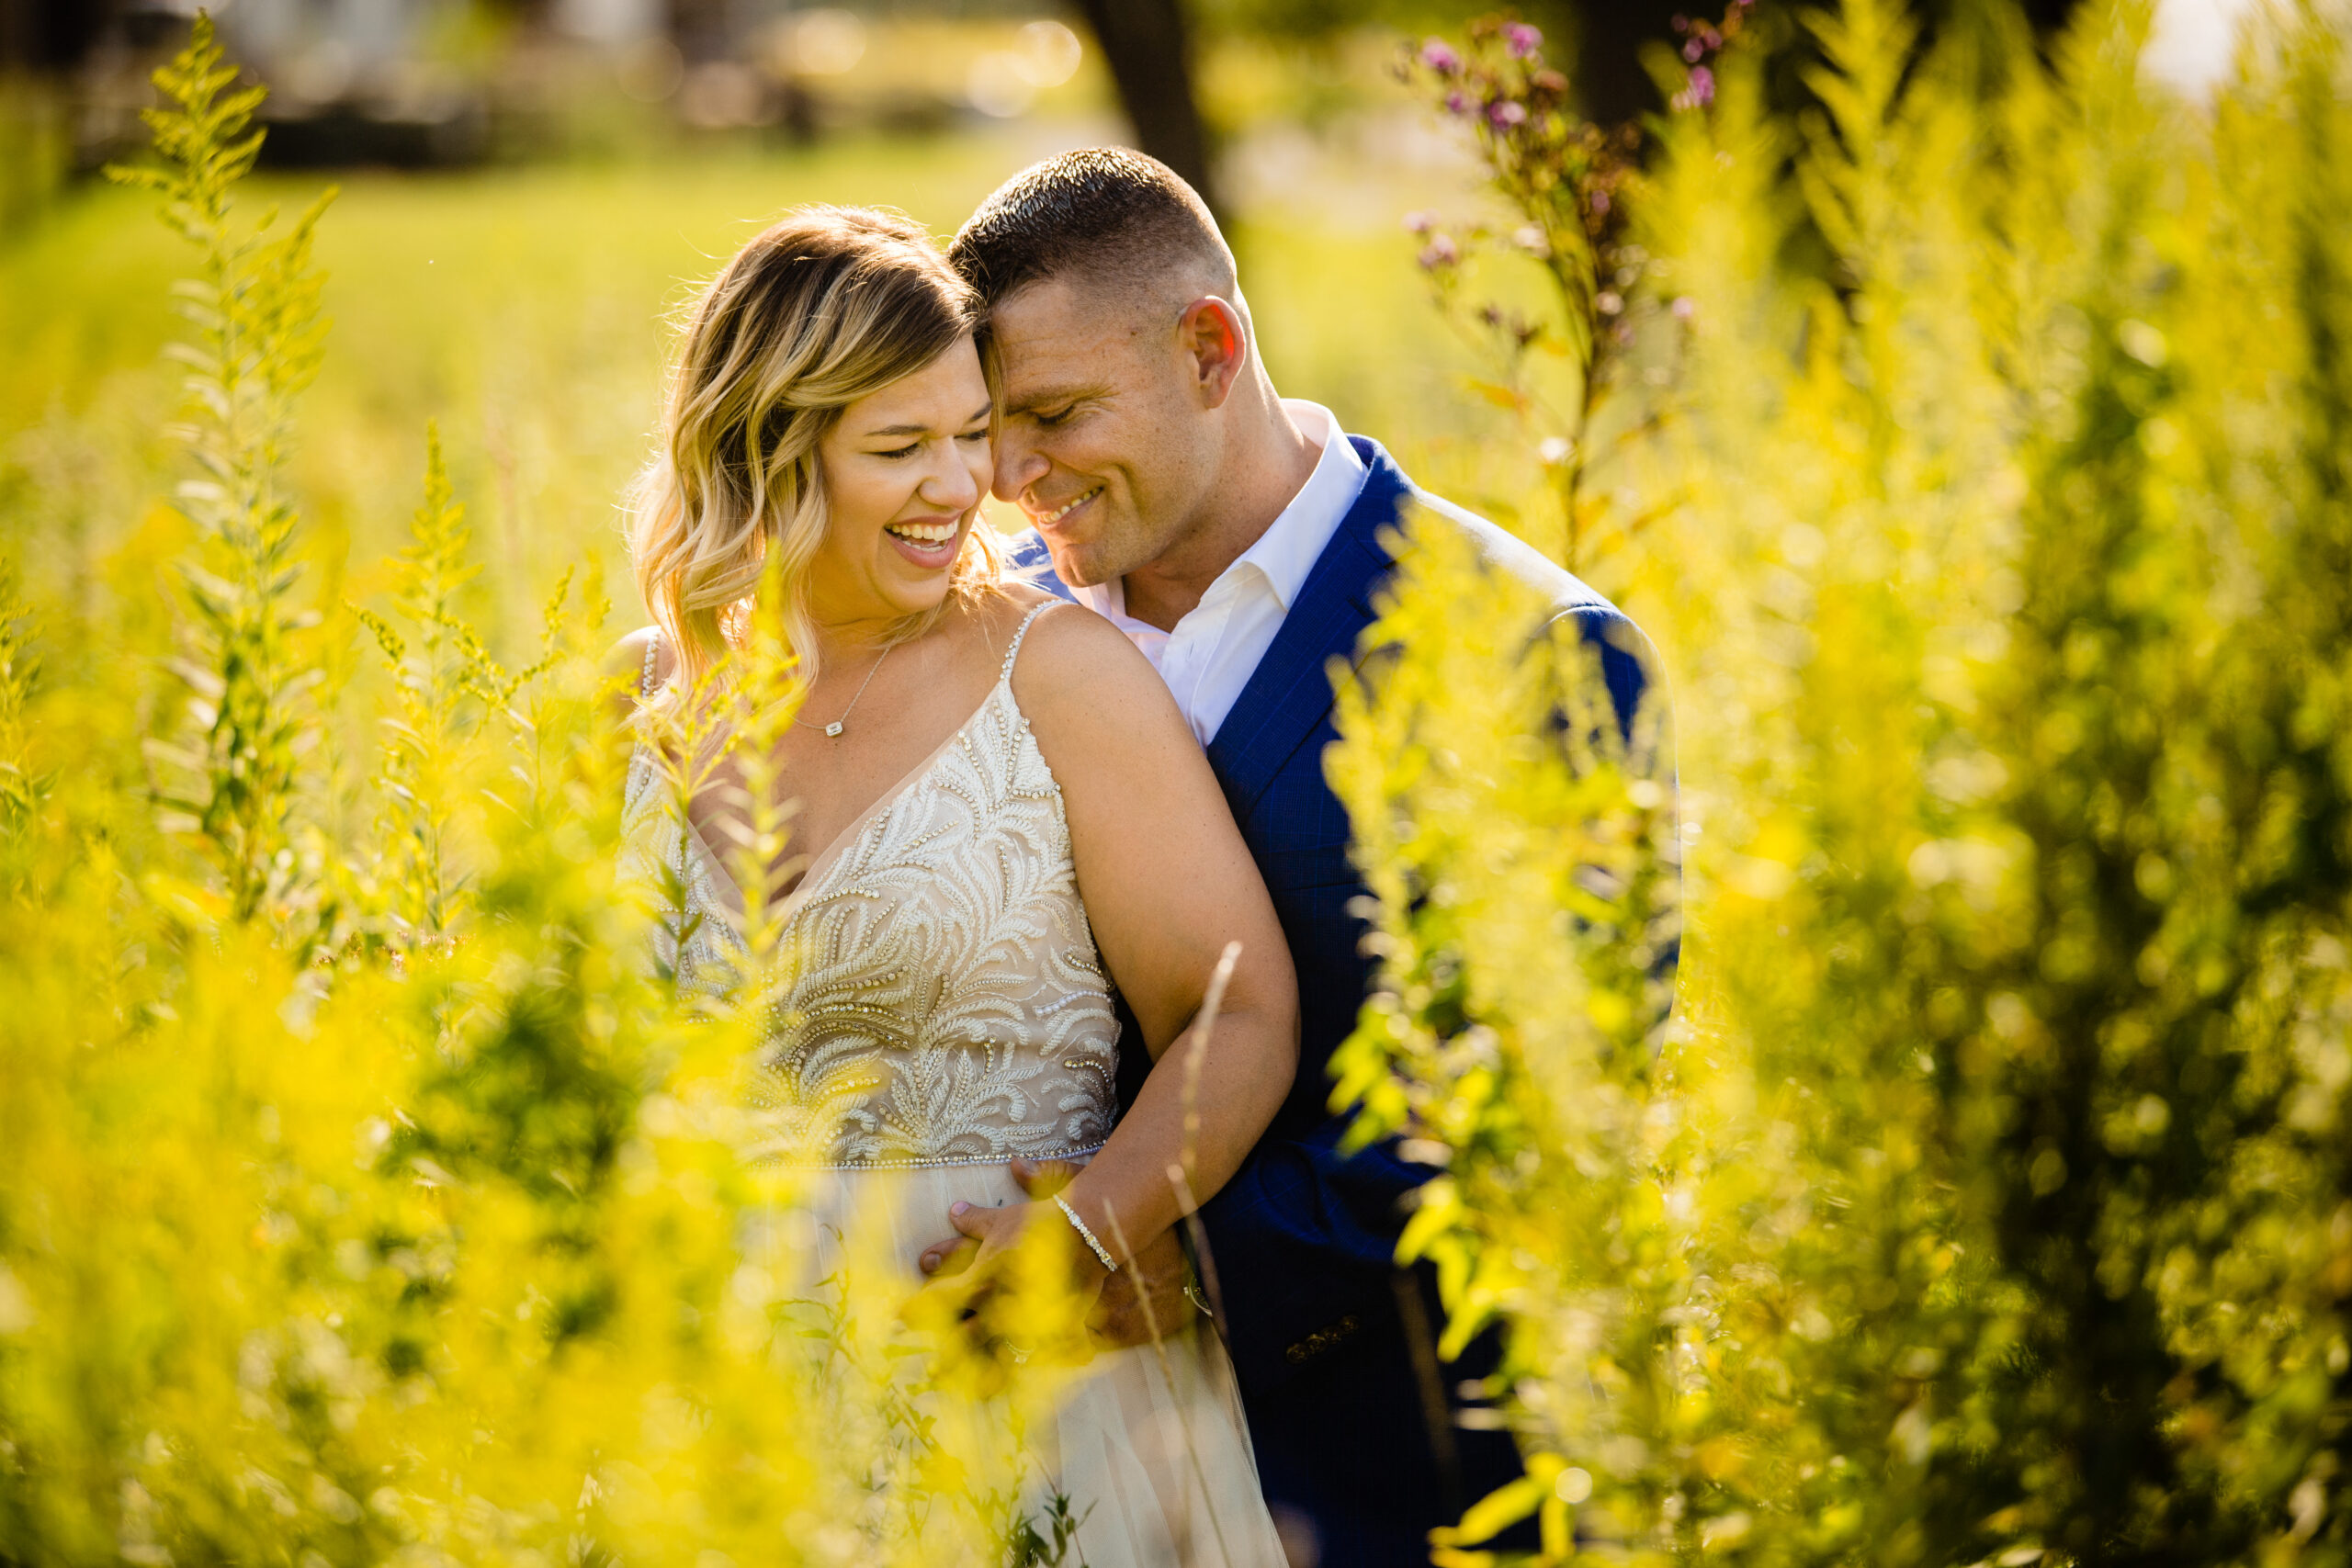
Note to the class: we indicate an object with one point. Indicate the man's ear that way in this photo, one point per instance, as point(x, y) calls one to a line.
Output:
point(1215, 344)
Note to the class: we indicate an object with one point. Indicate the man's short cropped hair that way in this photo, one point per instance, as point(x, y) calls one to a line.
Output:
point(1101, 214)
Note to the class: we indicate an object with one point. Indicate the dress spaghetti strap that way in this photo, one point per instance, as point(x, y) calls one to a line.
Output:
point(1013, 651)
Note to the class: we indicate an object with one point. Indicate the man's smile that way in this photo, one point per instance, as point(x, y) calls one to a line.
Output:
point(1047, 519)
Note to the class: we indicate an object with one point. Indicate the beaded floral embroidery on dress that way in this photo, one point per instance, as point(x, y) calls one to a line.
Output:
point(943, 1003)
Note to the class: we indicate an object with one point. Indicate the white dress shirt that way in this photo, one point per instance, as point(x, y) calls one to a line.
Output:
point(1213, 651)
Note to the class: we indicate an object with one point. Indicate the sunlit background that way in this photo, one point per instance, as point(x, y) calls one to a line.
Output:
point(528, 184)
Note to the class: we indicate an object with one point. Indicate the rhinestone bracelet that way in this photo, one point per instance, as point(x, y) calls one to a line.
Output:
point(1079, 1225)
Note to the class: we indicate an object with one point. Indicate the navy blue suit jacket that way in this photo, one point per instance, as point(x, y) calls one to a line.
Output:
point(1304, 1238)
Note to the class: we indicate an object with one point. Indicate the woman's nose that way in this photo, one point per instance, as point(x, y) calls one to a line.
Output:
point(951, 485)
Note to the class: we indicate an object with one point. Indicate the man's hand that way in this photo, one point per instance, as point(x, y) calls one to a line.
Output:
point(1146, 1296)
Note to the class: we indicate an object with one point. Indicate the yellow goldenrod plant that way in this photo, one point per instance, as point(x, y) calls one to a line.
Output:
point(1987, 1201)
point(21, 785)
point(433, 680)
point(232, 781)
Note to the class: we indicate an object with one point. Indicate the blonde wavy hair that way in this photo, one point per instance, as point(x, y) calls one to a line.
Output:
point(827, 306)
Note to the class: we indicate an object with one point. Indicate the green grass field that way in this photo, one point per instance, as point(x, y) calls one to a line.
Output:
point(523, 307)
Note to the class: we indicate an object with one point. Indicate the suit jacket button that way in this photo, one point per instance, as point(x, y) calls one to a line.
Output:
point(1322, 1339)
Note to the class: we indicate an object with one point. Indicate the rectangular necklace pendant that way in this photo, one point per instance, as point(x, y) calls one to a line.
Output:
point(834, 727)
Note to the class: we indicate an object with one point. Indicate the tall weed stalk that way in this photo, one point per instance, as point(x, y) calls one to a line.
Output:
point(232, 781)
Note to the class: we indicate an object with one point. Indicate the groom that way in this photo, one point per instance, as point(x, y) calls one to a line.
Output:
point(1239, 538)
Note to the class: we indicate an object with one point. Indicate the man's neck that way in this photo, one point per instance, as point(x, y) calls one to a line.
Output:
point(1262, 476)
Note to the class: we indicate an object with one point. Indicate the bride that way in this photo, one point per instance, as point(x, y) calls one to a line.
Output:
point(1000, 817)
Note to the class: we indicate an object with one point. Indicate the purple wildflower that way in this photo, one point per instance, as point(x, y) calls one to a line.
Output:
point(1440, 58)
point(1685, 308)
point(1693, 51)
point(1600, 202)
point(1440, 252)
point(1521, 40)
point(1703, 85)
point(1505, 114)
point(1419, 223)
point(1456, 103)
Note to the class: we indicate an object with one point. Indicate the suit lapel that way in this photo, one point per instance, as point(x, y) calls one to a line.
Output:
point(1291, 690)
point(1028, 561)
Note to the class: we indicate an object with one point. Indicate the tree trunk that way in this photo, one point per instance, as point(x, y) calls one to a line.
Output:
point(1145, 44)
point(51, 35)
point(1610, 36)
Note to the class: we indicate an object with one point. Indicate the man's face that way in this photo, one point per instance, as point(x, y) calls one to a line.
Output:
point(1106, 444)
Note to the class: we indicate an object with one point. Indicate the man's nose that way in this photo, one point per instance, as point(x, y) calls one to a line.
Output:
point(1019, 465)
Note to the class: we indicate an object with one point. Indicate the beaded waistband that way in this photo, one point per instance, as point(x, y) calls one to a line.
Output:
point(940, 1163)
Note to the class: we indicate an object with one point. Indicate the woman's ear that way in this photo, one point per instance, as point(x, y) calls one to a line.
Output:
point(1211, 336)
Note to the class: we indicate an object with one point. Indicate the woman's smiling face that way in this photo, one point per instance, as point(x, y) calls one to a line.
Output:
point(904, 472)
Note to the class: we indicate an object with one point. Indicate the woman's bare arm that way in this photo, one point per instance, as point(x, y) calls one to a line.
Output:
point(1168, 883)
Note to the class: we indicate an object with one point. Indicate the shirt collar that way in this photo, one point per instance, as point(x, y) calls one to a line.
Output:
point(1295, 540)
point(1109, 599)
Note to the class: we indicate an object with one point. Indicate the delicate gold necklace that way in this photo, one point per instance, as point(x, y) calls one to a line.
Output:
point(835, 728)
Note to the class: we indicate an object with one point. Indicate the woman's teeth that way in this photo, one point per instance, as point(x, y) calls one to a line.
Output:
point(1065, 509)
point(924, 533)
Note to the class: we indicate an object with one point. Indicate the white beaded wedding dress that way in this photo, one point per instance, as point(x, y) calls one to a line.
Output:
point(946, 1013)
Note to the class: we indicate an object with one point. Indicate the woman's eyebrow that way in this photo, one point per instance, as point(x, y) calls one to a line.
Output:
point(922, 429)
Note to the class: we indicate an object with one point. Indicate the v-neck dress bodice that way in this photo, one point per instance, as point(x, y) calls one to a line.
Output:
point(941, 1000)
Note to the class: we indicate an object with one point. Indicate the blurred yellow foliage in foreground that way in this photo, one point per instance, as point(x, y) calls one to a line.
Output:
point(1986, 1199)
point(1989, 1197)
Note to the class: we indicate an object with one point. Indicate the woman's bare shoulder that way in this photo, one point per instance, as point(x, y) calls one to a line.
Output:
point(1071, 639)
point(624, 671)
point(1076, 665)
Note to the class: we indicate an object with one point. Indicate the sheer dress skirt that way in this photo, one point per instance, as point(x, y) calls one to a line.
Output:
point(1147, 1444)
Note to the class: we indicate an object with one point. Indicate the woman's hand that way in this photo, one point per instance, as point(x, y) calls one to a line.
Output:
point(1039, 1179)
point(1145, 1301)
point(996, 1233)
point(1002, 1304)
